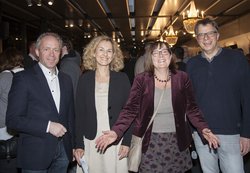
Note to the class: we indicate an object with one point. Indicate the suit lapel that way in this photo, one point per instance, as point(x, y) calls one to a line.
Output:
point(173, 88)
point(44, 89)
point(62, 93)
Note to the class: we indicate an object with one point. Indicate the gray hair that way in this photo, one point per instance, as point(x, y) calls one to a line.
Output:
point(39, 39)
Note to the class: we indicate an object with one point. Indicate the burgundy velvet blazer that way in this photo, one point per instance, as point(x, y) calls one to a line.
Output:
point(140, 107)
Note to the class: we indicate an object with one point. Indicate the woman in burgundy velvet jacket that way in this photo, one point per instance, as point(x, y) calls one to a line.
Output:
point(163, 148)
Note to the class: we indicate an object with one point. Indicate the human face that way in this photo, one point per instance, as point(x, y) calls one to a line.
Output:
point(49, 52)
point(161, 57)
point(104, 53)
point(207, 37)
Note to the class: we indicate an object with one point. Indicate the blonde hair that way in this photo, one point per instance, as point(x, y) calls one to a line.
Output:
point(89, 60)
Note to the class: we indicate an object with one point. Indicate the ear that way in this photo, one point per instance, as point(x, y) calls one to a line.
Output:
point(37, 52)
point(171, 55)
point(196, 39)
point(218, 36)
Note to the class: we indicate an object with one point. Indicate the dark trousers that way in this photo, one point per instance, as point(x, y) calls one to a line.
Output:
point(59, 163)
point(8, 166)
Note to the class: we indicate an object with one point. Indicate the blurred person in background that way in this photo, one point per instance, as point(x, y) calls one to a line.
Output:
point(178, 54)
point(31, 59)
point(140, 63)
point(11, 61)
point(70, 62)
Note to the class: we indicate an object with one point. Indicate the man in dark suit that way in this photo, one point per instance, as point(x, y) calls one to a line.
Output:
point(178, 54)
point(41, 109)
point(31, 59)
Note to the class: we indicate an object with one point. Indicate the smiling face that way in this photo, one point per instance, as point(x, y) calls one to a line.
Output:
point(104, 53)
point(49, 52)
point(207, 37)
point(161, 57)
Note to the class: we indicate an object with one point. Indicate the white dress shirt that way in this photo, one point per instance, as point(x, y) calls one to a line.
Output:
point(53, 82)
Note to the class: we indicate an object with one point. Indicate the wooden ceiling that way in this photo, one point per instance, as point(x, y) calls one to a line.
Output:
point(129, 20)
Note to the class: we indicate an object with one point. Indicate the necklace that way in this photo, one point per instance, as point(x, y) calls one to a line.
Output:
point(163, 81)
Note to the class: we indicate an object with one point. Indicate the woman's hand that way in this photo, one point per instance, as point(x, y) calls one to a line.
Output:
point(213, 141)
point(78, 155)
point(123, 152)
point(105, 140)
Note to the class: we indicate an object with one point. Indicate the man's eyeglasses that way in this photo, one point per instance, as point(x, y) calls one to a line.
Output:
point(208, 34)
point(157, 53)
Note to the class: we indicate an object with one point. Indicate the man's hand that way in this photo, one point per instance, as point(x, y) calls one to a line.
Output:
point(57, 129)
point(244, 145)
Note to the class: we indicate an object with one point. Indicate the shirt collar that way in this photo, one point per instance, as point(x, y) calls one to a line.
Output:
point(33, 57)
point(211, 59)
point(48, 72)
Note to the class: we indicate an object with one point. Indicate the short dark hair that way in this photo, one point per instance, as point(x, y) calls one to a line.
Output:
point(67, 42)
point(30, 43)
point(179, 52)
point(206, 21)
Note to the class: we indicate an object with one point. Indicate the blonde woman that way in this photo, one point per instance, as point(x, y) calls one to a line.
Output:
point(102, 92)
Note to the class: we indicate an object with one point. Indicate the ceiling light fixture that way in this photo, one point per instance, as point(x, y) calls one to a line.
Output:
point(71, 23)
point(80, 22)
point(191, 17)
point(171, 37)
point(50, 2)
point(29, 3)
point(66, 23)
point(39, 3)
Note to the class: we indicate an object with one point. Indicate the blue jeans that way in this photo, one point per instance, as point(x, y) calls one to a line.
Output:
point(58, 165)
point(227, 157)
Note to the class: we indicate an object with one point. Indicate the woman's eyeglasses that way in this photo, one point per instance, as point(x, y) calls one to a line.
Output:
point(156, 53)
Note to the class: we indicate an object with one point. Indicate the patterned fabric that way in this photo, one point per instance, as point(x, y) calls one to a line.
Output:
point(163, 155)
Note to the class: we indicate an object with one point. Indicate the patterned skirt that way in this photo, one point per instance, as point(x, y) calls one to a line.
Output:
point(163, 155)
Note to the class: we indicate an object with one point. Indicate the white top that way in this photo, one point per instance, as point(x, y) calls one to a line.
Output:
point(53, 82)
point(109, 161)
point(164, 121)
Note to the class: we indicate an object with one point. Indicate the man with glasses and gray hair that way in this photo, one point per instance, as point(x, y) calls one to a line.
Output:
point(221, 83)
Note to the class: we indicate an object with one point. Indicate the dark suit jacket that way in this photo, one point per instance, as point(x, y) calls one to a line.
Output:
point(140, 106)
point(30, 107)
point(86, 122)
point(28, 62)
